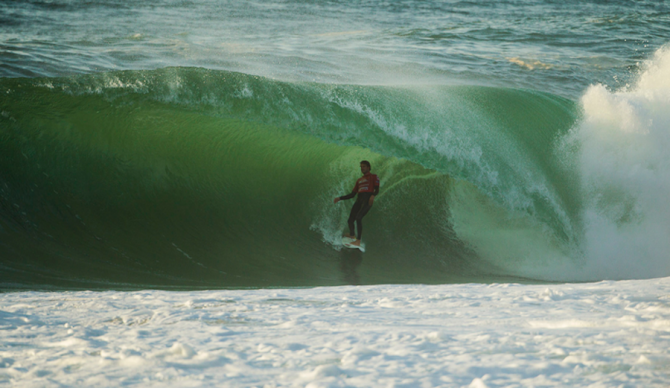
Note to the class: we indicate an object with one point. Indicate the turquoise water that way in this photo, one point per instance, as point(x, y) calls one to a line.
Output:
point(178, 144)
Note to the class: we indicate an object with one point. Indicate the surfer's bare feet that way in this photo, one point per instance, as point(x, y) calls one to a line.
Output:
point(356, 243)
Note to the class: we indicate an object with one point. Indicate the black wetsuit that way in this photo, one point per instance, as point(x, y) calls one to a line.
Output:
point(359, 210)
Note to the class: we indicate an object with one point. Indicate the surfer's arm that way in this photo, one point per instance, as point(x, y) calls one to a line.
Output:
point(376, 189)
point(348, 196)
point(372, 197)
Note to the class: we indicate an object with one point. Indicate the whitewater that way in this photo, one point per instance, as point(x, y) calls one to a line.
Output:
point(167, 171)
point(606, 334)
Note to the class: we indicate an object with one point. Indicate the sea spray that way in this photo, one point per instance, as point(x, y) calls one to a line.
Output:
point(621, 150)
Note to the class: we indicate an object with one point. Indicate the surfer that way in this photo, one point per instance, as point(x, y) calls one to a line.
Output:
point(366, 187)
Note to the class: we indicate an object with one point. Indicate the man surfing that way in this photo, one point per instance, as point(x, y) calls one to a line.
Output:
point(366, 187)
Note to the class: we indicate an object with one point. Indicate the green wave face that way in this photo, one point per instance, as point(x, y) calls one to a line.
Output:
point(195, 178)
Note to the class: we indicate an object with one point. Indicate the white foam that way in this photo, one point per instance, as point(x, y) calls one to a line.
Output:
point(471, 335)
point(624, 163)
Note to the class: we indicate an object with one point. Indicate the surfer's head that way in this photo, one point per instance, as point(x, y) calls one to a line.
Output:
point(365, 167)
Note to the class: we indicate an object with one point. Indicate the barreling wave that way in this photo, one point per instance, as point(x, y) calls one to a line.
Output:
point(187, 177)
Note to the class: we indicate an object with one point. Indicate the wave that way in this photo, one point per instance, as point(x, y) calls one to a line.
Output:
point(187, 177)
point(619, 150)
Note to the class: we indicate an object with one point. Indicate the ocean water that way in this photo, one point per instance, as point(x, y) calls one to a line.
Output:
point(199, 144)
point(606, 334)
point(168, 169)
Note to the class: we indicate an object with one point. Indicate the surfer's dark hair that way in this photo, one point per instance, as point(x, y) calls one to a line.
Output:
point(365, 162)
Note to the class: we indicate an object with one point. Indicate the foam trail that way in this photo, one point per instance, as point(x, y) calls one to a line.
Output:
point(622, 157)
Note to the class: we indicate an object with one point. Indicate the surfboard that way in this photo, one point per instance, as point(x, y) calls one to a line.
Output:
point(346, 241)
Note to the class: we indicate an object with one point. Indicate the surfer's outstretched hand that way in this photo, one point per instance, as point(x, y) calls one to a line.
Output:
point(336, 200)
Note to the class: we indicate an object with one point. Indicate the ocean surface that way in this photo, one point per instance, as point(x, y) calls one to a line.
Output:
point(191, 145)
point(605, 334)
point(168, 170)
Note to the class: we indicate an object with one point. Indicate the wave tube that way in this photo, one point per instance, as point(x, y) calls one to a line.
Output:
point(193, 178)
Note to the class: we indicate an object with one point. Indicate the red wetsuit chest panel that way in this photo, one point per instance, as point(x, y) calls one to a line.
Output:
point(366, 183)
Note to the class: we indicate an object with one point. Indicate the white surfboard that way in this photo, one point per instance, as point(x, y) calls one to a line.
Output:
point(346, 241)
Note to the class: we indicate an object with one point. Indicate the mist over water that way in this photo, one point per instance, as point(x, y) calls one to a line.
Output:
point(200, 145)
